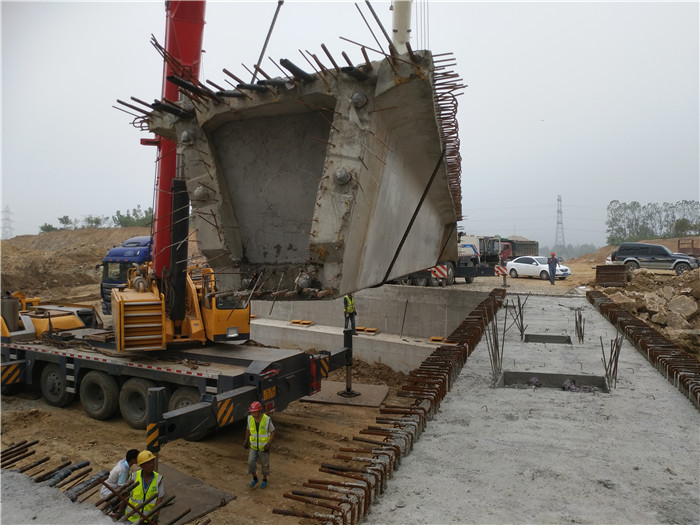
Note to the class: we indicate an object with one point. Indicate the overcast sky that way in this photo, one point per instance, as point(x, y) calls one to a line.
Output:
point(591, 101)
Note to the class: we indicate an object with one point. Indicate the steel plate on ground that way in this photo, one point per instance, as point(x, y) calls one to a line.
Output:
point(190, 493)
point(370, 395)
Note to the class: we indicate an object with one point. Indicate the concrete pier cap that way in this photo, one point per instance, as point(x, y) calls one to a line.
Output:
point(311, 186)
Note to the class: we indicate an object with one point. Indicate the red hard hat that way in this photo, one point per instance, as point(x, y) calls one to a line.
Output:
point(552, 253)
point(255, 407)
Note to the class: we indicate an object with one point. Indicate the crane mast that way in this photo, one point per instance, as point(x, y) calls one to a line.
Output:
point(184, 29)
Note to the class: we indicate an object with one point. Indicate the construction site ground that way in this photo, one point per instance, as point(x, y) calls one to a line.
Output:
point(489, 455)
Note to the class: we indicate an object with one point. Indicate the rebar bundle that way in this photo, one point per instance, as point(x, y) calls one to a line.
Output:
point(610, 363)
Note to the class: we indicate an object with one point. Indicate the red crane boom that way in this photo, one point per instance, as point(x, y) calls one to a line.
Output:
point(184, 29)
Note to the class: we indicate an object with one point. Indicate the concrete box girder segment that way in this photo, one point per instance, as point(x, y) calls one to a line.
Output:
point(314, 185)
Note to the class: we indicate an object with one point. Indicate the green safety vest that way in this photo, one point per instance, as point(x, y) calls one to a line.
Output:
point(138, 497)
point(259, 434)
point(350, 308)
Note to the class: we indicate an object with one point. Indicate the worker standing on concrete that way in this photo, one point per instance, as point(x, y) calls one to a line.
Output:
point(118, 477)
point(148, 483)
point(350, 312)
point(553, 262)
point(258, 437)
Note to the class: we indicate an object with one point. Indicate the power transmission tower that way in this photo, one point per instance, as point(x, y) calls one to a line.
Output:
point(6, 224)
point(559, 242)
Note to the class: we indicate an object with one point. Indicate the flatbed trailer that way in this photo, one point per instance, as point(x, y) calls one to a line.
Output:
point(688, 246)
point(201, 388)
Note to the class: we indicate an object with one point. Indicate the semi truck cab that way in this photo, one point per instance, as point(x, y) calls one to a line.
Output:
point(115, 265)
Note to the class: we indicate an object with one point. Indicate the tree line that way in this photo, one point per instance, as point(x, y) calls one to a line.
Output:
point(134, 217)
point(625, 222)
point(635, 222)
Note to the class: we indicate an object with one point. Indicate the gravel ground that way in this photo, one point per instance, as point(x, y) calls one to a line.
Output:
point(25, 502)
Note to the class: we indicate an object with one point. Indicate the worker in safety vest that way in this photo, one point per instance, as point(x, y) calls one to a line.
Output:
point(350, 312)
point(149, 483)
point(258, 437)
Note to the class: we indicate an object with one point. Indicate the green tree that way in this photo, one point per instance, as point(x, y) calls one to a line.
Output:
point(681, 227)
point(634, 222)
point(135, 217)
point(616, 224)
point(46, 227)
point(94, 221)
point(67, 223)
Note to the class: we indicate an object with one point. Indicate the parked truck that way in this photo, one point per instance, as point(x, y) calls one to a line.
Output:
point(512, 247)
point(477, 256)
point(117, 262)
point(473, 260)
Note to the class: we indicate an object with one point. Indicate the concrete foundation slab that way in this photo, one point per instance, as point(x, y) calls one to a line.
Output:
point(403, 310)
point(402, 354)
point(505, 455)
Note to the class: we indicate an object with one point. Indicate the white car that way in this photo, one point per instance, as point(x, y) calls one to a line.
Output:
point(527, 266)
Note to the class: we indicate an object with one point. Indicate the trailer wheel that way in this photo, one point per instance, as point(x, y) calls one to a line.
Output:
point(404, 281)
point(450, 274)
point(133, 402)
point(183, 397)
point(53, 386)
point(99, 395)
point(434, 281)
point(419, 281)
point(10, 390)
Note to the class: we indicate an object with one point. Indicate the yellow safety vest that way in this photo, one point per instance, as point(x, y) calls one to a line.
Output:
point(138, 497)
point(259, 434)
point(350, 308)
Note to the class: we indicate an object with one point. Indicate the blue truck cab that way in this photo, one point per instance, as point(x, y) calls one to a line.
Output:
point(117, 262)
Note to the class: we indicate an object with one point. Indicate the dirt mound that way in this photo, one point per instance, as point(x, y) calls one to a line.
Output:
point(668, 303)
point(60, 264)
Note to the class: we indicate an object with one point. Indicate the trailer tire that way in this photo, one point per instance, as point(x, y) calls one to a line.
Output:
point(99, 395)
point(53, 386)
point(10, 390)
point(133, 402)
point(419, 281)
point(450, 274)
point(404, 281)
point(183, 397)
point(434, 281)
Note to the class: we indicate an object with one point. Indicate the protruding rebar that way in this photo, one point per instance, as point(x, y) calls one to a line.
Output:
point(296, 71)
point(267, 38)
point(330, 57)
point(355, 73)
